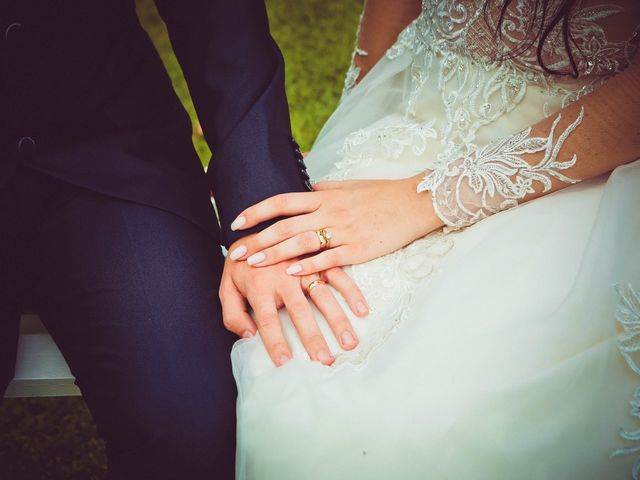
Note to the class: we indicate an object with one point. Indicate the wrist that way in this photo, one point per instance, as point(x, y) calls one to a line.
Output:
point(421, 207)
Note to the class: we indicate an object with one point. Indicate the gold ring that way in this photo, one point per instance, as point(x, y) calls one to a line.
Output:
point(325, 238)
point(314, 284)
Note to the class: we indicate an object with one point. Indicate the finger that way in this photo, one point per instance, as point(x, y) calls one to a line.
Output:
point(276, 233)
point(235, 317)
point(284, 204)
point(333, 257)
point(302, 317)
point(334, 185)
point(336, 318)
point(302, 244)
point(266, 313)
point(349, 290)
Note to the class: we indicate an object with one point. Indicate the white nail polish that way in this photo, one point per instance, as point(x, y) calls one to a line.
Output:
point(347, 338)
point(238, 222)
point(247, 334)
point(238, 252)
point(293, 269)
point(325, 357)
point(256, 258)
point(283, 359)
point(361, 307)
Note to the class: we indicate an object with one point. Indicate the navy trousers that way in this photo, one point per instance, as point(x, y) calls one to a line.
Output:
point(130, 295)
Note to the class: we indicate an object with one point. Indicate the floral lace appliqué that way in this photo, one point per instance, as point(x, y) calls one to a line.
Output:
point(628, 316)
point(495, 177)
point(391, 280)
point(384, 142)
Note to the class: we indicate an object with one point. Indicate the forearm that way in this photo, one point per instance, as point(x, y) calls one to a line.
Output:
point(235, 74)
point(588, 138)
point(607, 137)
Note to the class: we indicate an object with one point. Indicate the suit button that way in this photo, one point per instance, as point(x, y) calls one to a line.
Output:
point(26, 146)
point(296, 148)
point(11, 29)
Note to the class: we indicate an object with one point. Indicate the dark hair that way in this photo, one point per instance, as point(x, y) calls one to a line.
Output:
point(545, 25)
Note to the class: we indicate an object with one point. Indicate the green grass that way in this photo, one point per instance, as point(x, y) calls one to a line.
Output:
point(55, 438)
point(316, 38)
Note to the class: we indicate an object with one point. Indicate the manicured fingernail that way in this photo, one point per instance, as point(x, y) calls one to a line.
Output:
point(348, 340)
point(324, 356)
point(361, 307)
point(238, 252)
point(256, 258)
point(293, 269)
point(238, 222)
point(283, 359)
point(247, 334)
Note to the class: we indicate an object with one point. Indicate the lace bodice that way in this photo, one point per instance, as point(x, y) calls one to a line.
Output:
point(469, 26)
point(461, 34)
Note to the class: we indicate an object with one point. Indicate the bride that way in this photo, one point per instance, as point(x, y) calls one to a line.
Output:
point(480, 176)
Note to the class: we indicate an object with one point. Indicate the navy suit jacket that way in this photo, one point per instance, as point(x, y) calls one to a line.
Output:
point(86, 99)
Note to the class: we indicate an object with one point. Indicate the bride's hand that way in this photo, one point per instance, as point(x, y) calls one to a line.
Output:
point(365, 220)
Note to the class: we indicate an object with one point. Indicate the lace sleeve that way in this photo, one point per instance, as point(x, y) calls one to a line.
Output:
point(496, 177)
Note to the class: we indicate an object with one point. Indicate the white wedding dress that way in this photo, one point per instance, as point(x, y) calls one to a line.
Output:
point(501, 351)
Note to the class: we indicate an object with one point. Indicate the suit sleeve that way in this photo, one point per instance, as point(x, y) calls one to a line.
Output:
point(235, 74)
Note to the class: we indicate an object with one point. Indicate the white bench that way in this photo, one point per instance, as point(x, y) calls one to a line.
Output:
point(40, 368)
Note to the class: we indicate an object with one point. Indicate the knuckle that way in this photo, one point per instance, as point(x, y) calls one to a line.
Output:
point(310, 264)
point(335, 257)
point(280, 201)
point(304, 242)
point(282, 228)
point(298, 308)
point(259, 240)
point(315, 339)
point(224, 291)
point(277, 347)
point(265, 317)
point(339, 321)
point(332, 274)
point(341, 212)
point(229, 323)
point(352, 291)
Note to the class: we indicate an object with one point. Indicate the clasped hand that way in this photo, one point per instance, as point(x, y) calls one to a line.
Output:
point(365, 219)
point(268, 289)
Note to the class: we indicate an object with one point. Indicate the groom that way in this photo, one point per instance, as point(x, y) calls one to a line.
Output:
point(106, 225)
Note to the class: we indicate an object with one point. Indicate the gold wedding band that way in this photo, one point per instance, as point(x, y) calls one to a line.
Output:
point(325, 238)
point(314, 284)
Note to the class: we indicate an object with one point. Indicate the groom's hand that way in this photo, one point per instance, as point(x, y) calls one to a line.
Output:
point(270, 288)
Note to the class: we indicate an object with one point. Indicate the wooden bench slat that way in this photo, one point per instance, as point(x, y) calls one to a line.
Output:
point(41, 370)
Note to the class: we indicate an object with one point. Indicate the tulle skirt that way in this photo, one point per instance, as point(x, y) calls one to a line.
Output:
point(490, 353)
point(500, 352)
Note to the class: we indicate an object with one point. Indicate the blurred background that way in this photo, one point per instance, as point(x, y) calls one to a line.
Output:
point(55, 438)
